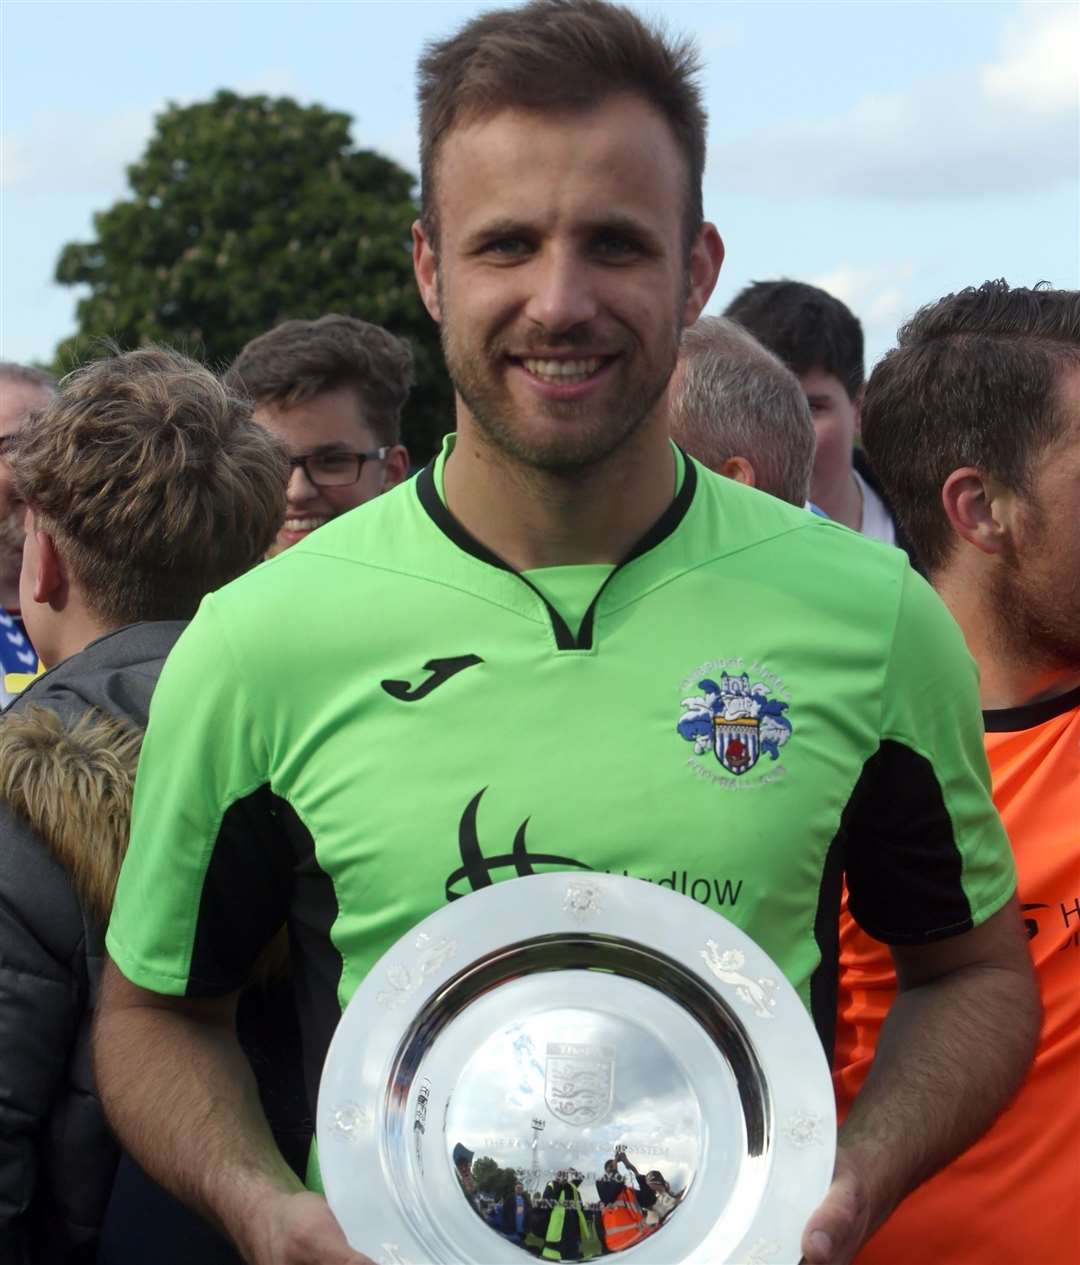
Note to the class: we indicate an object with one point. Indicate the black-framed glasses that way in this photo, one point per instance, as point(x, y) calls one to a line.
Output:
point(335, 469)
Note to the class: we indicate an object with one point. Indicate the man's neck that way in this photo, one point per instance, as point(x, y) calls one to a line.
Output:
point(1007, 678)
point(71, 633)
point(537, 518)
point(840, 497)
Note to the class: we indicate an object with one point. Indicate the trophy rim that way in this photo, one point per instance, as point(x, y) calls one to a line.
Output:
point(693, 957)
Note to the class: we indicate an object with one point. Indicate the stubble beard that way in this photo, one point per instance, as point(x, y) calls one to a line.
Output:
point(586, 434)
point(1038, 613)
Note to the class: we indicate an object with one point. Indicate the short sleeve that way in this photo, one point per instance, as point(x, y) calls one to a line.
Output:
point(926, 854)
point(206, 879)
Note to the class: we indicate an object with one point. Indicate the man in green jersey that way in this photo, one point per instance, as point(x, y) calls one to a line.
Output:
point(562, 646)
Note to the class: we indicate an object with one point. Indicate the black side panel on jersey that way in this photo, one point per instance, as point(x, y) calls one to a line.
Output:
point(904, 869)
point(245, 896)
point(824, 982)
point(264, 871)
point(316, 963)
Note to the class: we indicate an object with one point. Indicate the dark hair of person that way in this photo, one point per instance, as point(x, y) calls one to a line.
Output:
point(559, 55)
point(154, 482)
point(806, 327)
point(298, 360)
point(975, 381)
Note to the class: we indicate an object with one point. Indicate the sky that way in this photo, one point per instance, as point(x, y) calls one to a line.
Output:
point(890, 153)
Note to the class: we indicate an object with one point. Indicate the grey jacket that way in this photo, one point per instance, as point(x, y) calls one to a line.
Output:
point(68, 749)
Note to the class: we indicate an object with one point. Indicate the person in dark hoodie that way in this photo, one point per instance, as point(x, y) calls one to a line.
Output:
point(147, 485)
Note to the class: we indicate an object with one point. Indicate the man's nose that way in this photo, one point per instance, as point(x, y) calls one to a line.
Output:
point(300, 487)
point(562, 293)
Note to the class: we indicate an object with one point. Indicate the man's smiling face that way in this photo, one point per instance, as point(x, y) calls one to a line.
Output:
point(560, 276)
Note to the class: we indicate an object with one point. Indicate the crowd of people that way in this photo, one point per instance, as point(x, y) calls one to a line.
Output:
point(252, 737)
point(562, 1222)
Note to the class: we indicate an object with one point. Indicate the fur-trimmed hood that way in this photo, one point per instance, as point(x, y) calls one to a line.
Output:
point(71, 780)
point(69, 745)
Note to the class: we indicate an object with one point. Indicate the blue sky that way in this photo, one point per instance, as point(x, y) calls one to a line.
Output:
point(890, 152)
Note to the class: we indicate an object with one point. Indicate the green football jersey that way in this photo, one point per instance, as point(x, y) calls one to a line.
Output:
point(755, 703)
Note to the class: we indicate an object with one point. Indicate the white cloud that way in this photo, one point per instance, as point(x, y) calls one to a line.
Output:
point(80, 152)
point(879, 293)
point(1041, 71)
point(400, 142)
point(61, 152)
point(1009, 126)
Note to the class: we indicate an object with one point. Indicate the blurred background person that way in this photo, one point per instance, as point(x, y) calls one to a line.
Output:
point(973, 421)
point(515, 1214)
point(665, 1200)
point(572, 1233)
point(23, 390)
point(146, 484)
point(734, 406)
point(332, 390)
point(622, 1216)
point(821, 341)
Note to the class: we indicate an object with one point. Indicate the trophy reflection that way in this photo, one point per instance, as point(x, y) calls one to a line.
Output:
point(576, 1216)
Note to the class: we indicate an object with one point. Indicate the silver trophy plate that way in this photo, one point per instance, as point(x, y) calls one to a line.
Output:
point(560, 1062)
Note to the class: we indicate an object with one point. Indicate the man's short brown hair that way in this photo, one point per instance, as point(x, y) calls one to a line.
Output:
point(154, 482)
point(974, 381)
point(298, 360)
point(559, 55)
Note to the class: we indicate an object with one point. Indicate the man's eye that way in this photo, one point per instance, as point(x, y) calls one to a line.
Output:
point(332, 462)
point(614, 246)
point(507, 247)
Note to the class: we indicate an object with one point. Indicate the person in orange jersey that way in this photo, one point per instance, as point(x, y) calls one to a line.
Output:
point(973, 423)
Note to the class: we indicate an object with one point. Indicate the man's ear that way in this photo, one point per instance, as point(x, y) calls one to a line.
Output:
point(50, 574)
point(706, 257)
point(978, 509)
point(426, 269)
point(858, 402)
point(395, 467)
point(739, 469)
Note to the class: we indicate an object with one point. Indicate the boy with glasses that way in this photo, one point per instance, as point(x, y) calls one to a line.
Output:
point(332, 390)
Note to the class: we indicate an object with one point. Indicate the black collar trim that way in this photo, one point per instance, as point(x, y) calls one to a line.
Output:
point(1010, 719)
point(565, 639)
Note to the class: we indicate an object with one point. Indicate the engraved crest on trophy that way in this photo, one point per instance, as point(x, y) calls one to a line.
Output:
point(578, 1081)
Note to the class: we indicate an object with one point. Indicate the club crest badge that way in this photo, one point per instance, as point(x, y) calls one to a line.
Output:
point(737, 719)
point(578, 1081)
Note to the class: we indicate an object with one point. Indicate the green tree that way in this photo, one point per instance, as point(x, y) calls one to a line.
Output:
point(492, 1180)
point(244, 212)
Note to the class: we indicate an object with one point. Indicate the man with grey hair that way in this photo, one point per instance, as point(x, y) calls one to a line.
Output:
point(735, 407)
point(23, 390)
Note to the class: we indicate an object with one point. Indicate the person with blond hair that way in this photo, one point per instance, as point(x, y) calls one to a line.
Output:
point(146, 484)
point(545, 593)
